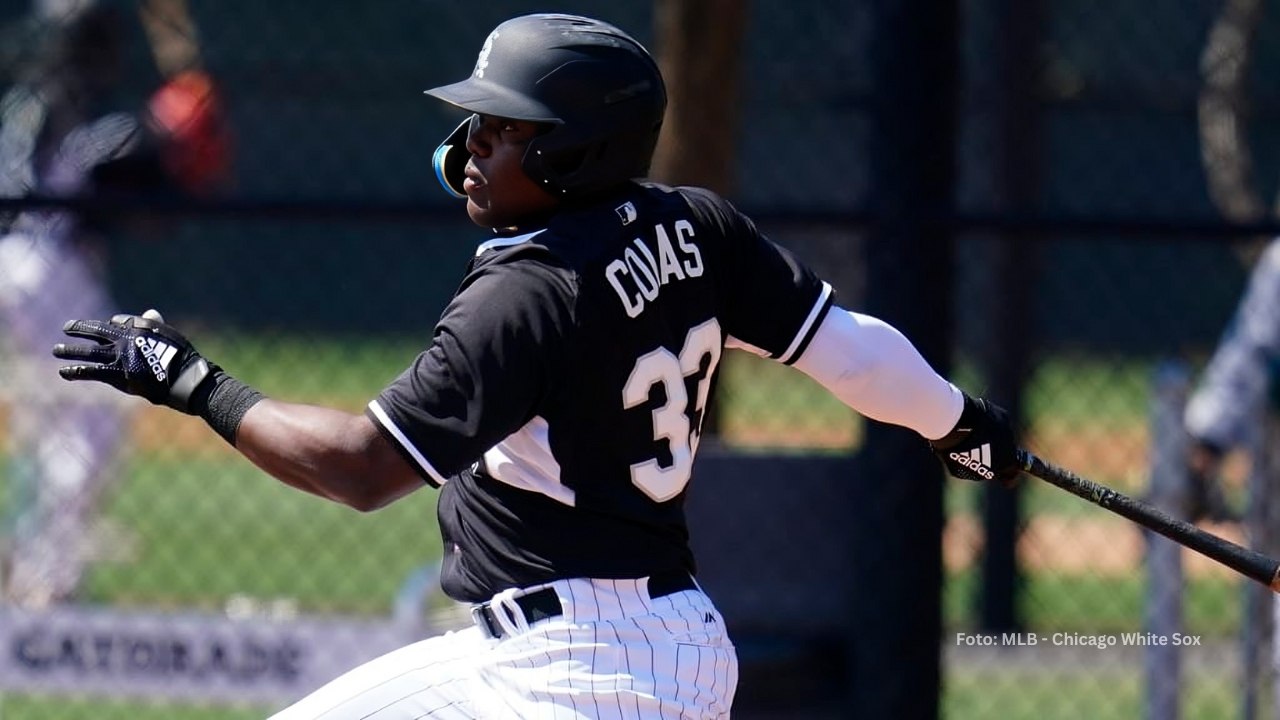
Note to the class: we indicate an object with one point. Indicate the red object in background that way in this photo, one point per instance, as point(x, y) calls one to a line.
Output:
point(187, 113)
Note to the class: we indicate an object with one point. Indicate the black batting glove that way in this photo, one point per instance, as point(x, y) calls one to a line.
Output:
point(138, 355)
point(982, 446)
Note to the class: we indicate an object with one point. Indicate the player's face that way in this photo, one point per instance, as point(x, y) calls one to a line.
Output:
point(499, 193)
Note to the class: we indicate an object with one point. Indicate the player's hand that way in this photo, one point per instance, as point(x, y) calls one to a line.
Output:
point(1204, 458)
point(138, 355)
point(982, 446)
point(1205, 499)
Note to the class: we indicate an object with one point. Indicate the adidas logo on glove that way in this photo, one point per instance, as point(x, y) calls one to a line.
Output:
point(977, 460)
point(158, 355)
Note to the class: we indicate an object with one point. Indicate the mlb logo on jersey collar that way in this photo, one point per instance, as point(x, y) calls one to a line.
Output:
point(626, 212)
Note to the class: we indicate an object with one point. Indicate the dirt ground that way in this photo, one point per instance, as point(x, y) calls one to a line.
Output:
point(1071, 545)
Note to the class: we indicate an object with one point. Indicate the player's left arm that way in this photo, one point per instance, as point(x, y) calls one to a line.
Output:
point(778, 307)
point(874, 369)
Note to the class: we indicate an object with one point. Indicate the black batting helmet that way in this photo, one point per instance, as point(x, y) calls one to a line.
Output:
point(598, 89)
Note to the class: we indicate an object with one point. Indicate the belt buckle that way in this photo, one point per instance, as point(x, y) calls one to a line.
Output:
point(480, 616)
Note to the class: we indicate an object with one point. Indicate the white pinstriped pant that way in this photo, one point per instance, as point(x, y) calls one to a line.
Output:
point(615, 653)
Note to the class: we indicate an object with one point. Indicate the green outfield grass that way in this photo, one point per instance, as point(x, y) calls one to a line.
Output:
point(1087, 603)
point(14, 707)
point(343, 370)
point(1097, 694)
point(198, 531)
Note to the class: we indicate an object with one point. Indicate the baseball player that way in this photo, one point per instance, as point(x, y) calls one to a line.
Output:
point(558, 407)
point(1238, 384)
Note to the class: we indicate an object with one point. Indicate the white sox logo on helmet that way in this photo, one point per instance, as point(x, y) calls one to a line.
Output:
point(482, 62)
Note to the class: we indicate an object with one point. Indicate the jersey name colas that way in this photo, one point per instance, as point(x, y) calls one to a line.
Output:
point(638, 276)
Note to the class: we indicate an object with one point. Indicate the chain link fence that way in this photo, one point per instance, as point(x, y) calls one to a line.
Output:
point(153, 573)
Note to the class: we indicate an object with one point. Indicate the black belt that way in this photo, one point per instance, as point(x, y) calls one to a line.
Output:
point(545, 603)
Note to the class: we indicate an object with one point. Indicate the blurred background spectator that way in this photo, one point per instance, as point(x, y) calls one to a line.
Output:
point(68, 131)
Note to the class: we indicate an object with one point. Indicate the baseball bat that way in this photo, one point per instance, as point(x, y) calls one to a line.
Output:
point(1247, 562)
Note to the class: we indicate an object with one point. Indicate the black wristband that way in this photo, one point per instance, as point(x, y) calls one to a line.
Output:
point(969, 417)
point(227, 402)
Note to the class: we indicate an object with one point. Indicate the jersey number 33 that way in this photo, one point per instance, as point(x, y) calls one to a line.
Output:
point(671, 420)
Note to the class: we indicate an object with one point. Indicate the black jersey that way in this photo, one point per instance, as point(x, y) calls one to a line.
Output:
point(560, 404)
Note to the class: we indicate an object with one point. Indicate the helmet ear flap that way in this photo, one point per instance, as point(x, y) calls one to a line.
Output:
point(450, 159)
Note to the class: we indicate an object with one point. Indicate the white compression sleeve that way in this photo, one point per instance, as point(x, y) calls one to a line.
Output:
point(874, 369)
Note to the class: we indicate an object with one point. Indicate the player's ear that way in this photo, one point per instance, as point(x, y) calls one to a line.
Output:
point(450, 159)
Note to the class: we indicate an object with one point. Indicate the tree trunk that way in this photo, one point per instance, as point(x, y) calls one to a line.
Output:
point(699, 48)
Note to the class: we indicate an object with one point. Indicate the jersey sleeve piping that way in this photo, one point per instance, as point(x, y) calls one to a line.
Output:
point(809, 327)
point(389, 428)
point(506, 242)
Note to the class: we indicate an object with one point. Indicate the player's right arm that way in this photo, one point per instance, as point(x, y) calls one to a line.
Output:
point(326, 452)
point(330, 453)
